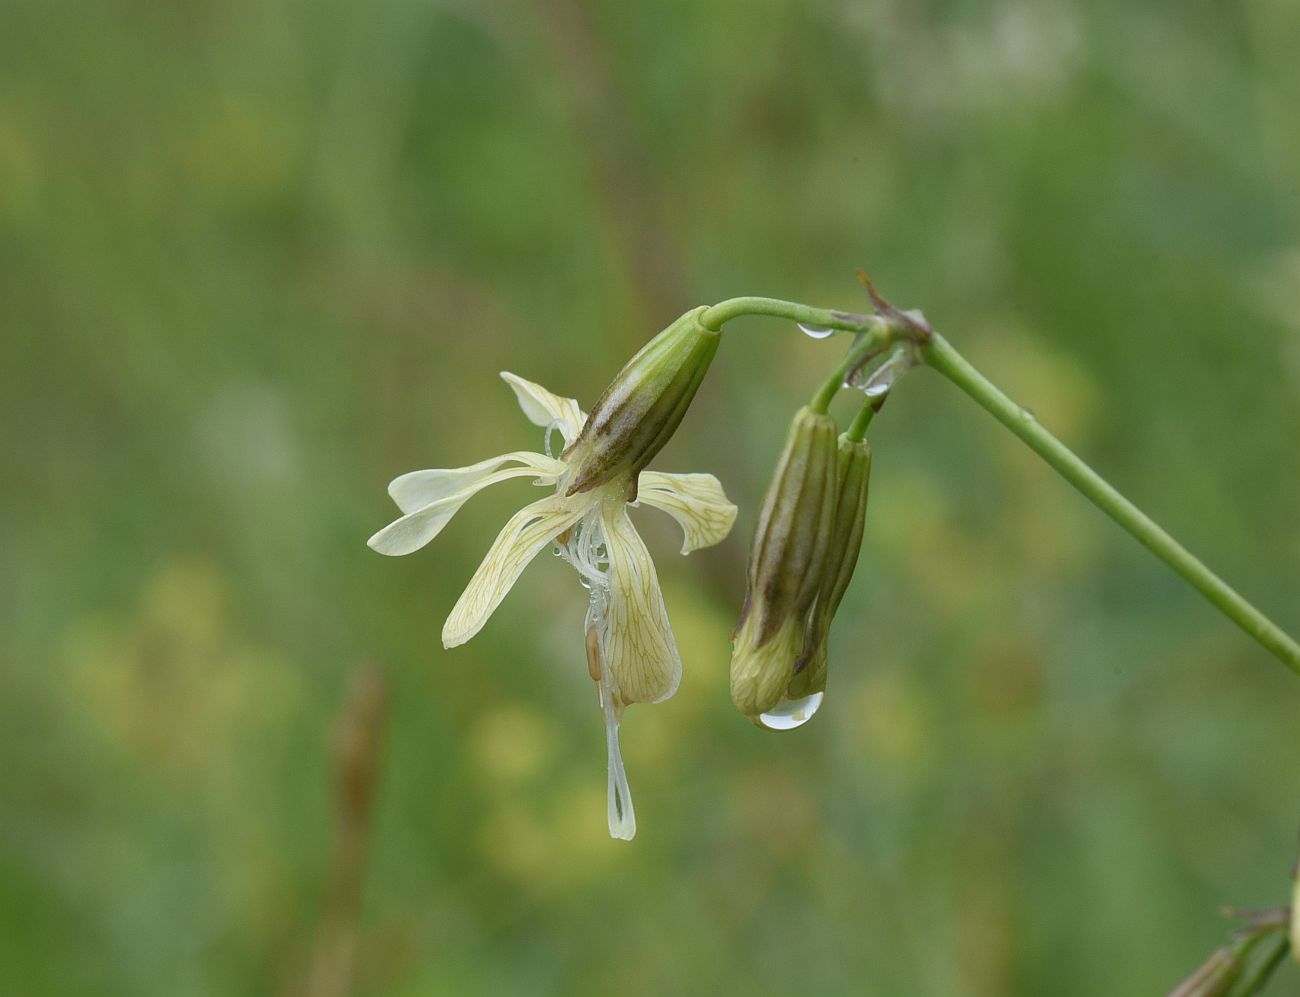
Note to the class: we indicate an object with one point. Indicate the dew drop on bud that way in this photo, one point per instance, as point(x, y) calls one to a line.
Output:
point(791, 713)
point(815, 331)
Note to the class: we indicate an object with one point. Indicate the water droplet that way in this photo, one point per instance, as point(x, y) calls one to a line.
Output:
point(815, 331)
point(882, 379)
point(791, 713)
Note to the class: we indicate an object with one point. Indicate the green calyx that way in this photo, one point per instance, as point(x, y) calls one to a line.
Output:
point(853, 473)
point(787, 563)
point(643, 406)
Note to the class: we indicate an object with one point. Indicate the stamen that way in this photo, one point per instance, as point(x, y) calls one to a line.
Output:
point(622, 818)
point(593, 654)
point(546, 440)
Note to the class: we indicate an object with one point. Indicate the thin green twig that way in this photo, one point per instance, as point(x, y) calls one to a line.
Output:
point(825, 318)
point(857, 431)
point(940, 355)
point(866, 346)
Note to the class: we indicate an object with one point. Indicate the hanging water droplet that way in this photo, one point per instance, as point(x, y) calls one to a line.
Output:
point(815, 331)
point(791, 713)
point(882, 379)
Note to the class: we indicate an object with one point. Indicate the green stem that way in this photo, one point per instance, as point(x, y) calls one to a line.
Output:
point(863, 349)
point(936, 351)
point(857, 431)
point(827, 318)
point(1256, 981)
point(874, 332)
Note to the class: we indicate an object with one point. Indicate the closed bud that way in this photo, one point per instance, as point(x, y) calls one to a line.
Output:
point(853, 472)
point(643, 406)
point(787, 564)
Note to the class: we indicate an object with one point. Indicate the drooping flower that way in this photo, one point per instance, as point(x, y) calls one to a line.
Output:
point(631, 652)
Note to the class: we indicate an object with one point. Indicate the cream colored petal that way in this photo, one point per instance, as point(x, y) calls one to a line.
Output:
point(696, 501)
point(415, 529)
point(417, 489)
point(523, 537)
point(638, 644)
point(546, 409)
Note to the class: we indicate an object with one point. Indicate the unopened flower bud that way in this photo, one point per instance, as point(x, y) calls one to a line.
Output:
point(643, 406)
point(854, 477)
point(786, 565)
point(760, 671)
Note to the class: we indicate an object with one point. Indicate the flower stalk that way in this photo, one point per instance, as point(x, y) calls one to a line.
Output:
point(877, 332)
point(939, 354)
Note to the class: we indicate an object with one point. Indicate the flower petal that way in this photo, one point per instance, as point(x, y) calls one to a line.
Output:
point(696, 501)
point(418, 527)
point(546, 409)
point(416, 489)
point(638, 644)
point(523, 537)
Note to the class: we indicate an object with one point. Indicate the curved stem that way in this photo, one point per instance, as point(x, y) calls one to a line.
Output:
point(936, 351)
point(857, 431)
point(863, 349)
point(827, 318)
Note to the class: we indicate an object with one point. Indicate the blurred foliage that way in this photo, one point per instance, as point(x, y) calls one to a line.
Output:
point(256, 258)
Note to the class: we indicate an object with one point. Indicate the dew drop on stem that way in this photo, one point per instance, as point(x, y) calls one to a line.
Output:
point(815, 331)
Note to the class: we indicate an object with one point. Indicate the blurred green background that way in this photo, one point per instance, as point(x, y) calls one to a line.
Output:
point(257, 258)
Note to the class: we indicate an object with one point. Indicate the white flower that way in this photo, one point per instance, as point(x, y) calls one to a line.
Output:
point(631, 651)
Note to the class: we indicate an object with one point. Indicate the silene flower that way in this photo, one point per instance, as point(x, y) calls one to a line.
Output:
point(631, 652)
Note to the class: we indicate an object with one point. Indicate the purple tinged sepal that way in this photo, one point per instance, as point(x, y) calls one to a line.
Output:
point(643, 406)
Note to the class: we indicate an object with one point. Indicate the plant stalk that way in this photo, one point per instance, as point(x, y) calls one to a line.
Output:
point(939, 354)
point(826, 318)
point(877, 331)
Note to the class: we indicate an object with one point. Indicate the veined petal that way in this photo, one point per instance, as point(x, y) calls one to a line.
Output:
point(638, 644)
point(523, 537)
point(696, 501)
point(417, 489)
point(546, 409)
point(415, 529)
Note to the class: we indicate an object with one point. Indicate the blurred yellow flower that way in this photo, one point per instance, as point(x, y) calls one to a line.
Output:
point(631, 652)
